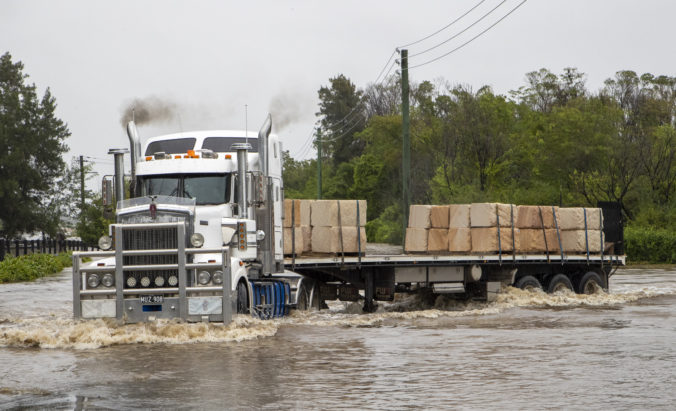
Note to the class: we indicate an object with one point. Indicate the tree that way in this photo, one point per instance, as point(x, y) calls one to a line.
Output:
point(92, 224)
point(342, 117)
point(31, 145)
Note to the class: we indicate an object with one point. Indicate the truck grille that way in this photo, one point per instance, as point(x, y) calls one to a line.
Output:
point(150, 239)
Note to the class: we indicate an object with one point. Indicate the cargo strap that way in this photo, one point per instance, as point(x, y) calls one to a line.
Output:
point(497, 217)
point(586, 236)
point(601, 235)
point(558, 234)
point(511, 216)
point(544, 233)
point(293, 235)
point(358, 238)
point(340, 230)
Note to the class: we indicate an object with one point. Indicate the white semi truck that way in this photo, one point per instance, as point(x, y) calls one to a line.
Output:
point(201, 238)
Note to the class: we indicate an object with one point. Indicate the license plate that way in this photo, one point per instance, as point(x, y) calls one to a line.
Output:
point(152, 299)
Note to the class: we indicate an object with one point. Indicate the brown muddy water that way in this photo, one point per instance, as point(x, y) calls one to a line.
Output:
point(525, 351)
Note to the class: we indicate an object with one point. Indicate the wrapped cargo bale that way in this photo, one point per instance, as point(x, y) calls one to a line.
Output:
point(533, 240)
point(573, 241)
point(459, 216)
point(594, 219)
point(437, 240)
point(529, 217)
point(291, 207)
point(290, 240)
point(416, 240)
point(307, 238)
point(306, 212)
point(460, 239)
point(486, 214)
point(485, 240)
point(439, 216)
point(571, 218)
point(419, 216)
point(326, 213)
point(327, 239)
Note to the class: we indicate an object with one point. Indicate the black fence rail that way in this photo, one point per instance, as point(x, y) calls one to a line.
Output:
point(9, 247)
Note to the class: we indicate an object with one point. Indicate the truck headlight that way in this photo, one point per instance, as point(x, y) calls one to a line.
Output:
point(197, 240)
point(173, 280)
point(159, 281)
point(108, 280)
point(105, 243)
point(203, 277)
point(131, 282)
point(218, 277)
point(93, 280)
point(145, 281)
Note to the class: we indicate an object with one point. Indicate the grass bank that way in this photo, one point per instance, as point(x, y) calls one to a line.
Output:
point(33, 266)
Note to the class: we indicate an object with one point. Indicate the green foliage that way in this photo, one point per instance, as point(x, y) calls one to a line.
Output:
point(32, 141)
point(650, 245)
point(387, 227)
point(92, 225)
point(32, 266)
point(553, 142)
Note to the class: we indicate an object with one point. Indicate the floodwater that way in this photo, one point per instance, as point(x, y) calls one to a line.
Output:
point(525, 351)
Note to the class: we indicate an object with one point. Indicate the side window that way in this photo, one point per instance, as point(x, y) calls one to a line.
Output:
point(275, 149)
point(277, 193)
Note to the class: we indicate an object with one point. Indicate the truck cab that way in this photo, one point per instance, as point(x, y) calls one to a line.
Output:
point(202, 224)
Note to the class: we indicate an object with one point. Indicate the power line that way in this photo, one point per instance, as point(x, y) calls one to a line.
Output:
point(462, 31)
point(443, 28)
point(470, 40)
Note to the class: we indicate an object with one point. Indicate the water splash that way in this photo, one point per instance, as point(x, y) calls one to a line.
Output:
point(60, 331)
point(88, 334)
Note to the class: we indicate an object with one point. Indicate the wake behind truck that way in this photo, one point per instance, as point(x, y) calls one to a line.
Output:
point(202, 238)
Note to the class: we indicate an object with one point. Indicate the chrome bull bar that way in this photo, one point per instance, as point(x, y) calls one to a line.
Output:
point(190, 303)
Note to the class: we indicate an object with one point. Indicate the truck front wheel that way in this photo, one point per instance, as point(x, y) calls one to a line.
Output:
point(528, 283)
point(242, 298)
point(559, 283)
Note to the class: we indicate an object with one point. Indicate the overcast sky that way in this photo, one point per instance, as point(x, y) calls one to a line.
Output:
point(211, 58)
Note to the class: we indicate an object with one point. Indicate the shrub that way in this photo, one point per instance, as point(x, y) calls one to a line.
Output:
point(33, 266)
point(650, 245)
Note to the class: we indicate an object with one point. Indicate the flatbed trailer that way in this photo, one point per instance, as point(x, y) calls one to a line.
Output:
point(470, 276)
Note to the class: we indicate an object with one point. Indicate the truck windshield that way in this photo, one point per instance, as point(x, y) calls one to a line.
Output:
point(203, 188)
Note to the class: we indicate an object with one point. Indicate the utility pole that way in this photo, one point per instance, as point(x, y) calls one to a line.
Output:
point(82, 187)
point(319, 164)
point(406, 140)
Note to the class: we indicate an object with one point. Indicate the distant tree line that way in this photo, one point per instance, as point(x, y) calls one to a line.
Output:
point(551, 141)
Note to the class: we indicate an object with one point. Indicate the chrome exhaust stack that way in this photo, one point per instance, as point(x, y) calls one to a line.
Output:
point(134, 147)
point(263, 135)
point(242, 160)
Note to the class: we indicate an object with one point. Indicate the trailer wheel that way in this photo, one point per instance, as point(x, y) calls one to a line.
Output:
point(528, 283)
point(590, 283)
point(242, 298)
point(559, 283)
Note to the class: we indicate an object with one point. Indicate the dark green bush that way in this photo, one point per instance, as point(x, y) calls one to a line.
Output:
point(650, 245)
point(33, 266)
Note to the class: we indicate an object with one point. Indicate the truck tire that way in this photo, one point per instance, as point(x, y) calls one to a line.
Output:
point(528, 283)
point(590, 283)
point(242, 298)
point(559, 282)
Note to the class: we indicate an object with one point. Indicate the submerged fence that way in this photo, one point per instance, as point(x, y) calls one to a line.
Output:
point(17, 247)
